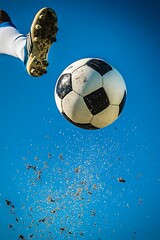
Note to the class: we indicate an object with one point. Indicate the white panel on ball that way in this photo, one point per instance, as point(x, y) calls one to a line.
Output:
point(72, 67)
point(75, 108)
point(114, 86)
point(105, 117)
point(86, 80)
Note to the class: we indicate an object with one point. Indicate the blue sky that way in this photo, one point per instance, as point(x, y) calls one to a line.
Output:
point(126, 35)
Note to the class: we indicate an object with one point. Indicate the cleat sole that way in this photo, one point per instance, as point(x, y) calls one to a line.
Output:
point(42, 34)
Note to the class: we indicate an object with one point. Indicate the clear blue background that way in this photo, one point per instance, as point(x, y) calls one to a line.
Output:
point(127, 35)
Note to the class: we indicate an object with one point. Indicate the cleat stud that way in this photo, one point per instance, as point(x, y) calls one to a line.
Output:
point(33, 70)
point(45, 63)
point(38, 26)
point(35, 39)
point(53, 38)
point(36, 62)
point(41, 16)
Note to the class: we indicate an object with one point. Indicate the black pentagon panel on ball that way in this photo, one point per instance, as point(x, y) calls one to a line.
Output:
point(121, 105)
point(99, 65)
point(87, 126)
point(97, 101)
point(64, 85)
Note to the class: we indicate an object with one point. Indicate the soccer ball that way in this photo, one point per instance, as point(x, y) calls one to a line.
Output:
point(90, 93)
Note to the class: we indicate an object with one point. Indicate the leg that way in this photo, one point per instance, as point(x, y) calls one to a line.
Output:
point(12, 42)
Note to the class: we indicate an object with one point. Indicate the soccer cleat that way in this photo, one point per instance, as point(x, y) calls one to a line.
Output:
point(42, 34)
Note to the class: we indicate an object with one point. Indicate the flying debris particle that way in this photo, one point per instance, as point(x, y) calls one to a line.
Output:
point(42, 220)
point(140, 202)
point(97, 176)
point(33, 167)
point(93, 212)
point(80, 215)
point(21, 237)
point(10, 225)
point(81, 234)
point(49, 155)
point(38, 175)
point(60, 171)
point(83, 182)
point(53, 211)
point(78, 192)
point(32, 222)
point(36, 158)
point(40, 171)
point(121, 180)
point(127, 205)
point(9, 203)
point(61, 156)
point(50, 199)
point(76, 170)
point(62, 229)
point(90, 193)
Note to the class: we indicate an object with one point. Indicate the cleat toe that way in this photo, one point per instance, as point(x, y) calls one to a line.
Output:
point(45, 63)
point(53, 39)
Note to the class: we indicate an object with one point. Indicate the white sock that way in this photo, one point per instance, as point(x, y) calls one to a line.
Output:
point(12, 42)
